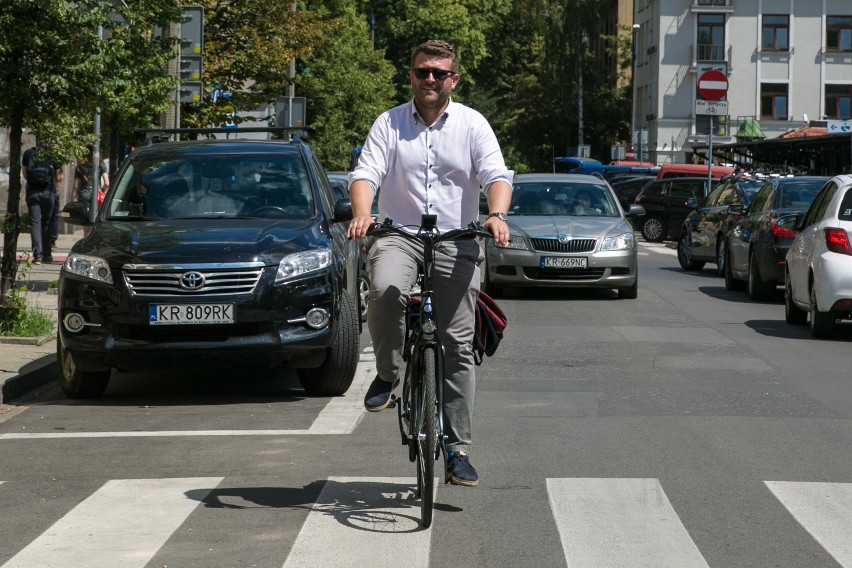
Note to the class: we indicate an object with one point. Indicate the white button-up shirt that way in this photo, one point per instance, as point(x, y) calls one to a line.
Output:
point(434, 169)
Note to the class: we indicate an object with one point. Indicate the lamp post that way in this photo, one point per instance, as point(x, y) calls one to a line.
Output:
point(633, 80)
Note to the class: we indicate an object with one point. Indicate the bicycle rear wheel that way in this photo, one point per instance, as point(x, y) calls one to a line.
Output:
point(428, 436)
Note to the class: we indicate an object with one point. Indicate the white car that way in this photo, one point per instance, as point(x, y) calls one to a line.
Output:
point(818, 274)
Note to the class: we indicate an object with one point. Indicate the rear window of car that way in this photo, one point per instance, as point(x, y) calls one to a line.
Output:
point(189, 186)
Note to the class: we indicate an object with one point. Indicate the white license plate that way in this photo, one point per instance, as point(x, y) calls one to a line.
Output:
point(563, 262)
point(185, 314)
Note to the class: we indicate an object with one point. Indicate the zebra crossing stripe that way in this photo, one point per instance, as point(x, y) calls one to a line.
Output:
point(363, 521)
point(122, 525)
point(824, 510)
point(620, 523)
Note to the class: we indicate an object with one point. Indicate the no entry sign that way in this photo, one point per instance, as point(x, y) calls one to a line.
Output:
point(712, 85)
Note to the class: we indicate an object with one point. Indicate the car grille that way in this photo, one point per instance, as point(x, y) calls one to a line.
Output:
point(563, 273)
point(192, 279)
point(552, 244)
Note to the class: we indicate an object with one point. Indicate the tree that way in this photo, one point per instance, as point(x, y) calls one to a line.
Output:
point(248, 47)
point(55, 69)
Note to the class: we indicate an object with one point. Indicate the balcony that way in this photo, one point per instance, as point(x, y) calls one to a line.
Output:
point(711, 53)
point(718, 6)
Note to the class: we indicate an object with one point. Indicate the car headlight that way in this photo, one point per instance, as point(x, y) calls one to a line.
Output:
point(92, 267)
point(621, 241)
point(515, 242)
point(301, 263)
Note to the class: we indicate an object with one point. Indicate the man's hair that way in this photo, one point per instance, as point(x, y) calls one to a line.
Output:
point(436, 48)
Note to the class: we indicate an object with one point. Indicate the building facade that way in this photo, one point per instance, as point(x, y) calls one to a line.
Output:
point(787, 63)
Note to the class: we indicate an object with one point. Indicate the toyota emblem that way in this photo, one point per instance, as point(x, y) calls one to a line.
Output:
point(191, 280)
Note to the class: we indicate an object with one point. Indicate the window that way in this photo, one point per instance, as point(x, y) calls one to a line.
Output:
point(838, 101)
point(838, 31)
point(775, 33)
point(773, 101)
point(712, 2)
point(711, 37)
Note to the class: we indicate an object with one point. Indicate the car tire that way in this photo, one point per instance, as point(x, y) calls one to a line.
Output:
point(335, 375)
point(822, 323)
point(363, 293)
point(721, 254)
point(684, 254)
point(654, 229)
point(76, 383)
point(731, 283)
point(757, 289)
point(793, 314)
point(490, 288)
point(631, 292)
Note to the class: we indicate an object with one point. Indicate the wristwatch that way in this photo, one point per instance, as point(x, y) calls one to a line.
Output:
point(501, 216)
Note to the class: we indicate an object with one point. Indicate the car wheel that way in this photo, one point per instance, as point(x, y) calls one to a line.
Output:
point(684, 253)
point(76, 383)
point(757, 288)
point(731, 283)
point(363, 293)
point(335, 375)
point(631, 292)
point(721, 255)
point(792, 313)
point(822, 323)
point(490, 288)
point(654, 229)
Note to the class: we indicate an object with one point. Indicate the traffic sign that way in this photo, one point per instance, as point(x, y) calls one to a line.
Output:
point(839, 126)
point(714, 108)
point(712, 85)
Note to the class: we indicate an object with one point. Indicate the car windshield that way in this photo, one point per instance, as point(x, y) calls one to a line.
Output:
point(193, 186)
point(562, 198)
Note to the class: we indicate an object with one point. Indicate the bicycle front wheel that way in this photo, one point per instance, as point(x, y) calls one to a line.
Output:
point(427, 435)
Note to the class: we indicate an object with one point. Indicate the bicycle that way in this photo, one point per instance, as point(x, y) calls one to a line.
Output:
point(420, 408)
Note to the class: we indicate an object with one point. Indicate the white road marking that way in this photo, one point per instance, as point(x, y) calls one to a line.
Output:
point(363, 521)
point(620, 523)
point(122, 525)
point(824, 509)
point(340, 416)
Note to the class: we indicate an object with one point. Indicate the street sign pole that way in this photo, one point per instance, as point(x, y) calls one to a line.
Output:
point(710, 156)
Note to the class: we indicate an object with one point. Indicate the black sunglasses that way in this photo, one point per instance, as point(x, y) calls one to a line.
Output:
point(422, 73)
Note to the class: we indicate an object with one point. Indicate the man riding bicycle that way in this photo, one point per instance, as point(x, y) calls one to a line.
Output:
point(430, 156)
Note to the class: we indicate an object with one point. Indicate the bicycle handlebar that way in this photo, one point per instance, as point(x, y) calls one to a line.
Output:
point(387, 226)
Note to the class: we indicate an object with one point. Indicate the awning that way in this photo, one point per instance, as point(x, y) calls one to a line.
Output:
point(749, 130)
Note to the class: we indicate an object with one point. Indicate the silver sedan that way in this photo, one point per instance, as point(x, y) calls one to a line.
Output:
point(567, 230)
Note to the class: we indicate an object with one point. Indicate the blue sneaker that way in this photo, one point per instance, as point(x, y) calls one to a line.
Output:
point(379, 395)
point(461, 471)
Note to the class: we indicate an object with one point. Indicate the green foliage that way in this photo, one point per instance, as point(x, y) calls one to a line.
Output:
point(17, 319)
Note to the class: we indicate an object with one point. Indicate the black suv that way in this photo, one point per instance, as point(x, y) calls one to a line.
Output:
point(665, 204)
point(212, 254)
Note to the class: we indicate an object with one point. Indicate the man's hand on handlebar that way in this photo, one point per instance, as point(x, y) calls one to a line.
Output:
point(358, 227)
point(499, 230)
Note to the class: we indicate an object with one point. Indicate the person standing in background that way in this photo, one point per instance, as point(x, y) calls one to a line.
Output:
point(83, 185)
point(42, 176)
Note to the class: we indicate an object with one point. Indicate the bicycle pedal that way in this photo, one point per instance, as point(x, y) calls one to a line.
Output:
point(392, 402)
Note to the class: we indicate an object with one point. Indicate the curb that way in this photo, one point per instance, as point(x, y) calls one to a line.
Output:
point(32, 375)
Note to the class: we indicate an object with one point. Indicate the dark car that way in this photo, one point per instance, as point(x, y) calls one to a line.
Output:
point(340, 185)
point(757, 245)
point(703, 235)
point(665, 204)
point(628, 187)
point(212, 254)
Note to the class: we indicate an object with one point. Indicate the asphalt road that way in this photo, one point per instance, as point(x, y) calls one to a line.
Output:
point(687, 428)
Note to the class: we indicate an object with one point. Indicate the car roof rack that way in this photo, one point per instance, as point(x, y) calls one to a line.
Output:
point(157, 135)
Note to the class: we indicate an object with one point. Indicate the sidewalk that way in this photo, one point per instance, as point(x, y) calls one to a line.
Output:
point(26, 363)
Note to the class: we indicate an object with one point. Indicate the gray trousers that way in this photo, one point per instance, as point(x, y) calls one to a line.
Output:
point(394, 265)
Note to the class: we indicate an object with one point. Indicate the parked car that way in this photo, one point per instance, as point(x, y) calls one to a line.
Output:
point(566, 230)
point(693, 170)
point(757, 246)
point(703, 235)
point(212, 254)
point(628, 187)
point(818, 272)
point(339, 182)
point(665, 204)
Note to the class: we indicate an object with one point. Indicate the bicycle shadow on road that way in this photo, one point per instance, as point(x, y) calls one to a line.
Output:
point(381, 504)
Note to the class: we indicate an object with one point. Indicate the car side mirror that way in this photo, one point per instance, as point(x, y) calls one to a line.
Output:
point(342, 210)
point(789, 222)
point(75, 213)
point(635, 210)
point(692, 203)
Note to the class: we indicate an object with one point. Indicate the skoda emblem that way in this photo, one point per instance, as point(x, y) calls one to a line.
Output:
point(191, 280)
point(564, 239)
